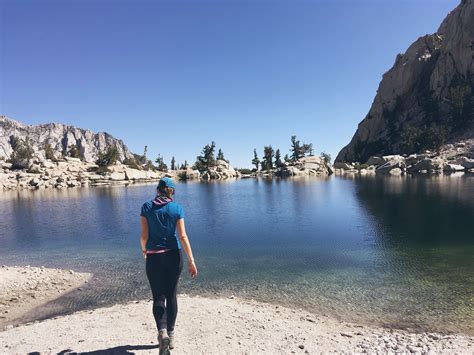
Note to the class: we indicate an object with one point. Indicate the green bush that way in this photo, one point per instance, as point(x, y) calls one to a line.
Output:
point(74, 152)
point(108, 158)
point(22, 152)
point(49, 152)
point(132, 163)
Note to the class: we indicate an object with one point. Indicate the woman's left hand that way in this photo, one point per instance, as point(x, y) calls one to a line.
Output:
point(192, 269)
point(144, 254)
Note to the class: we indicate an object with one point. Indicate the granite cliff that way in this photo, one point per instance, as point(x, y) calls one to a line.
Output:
point(426, 99)
point(59, 137)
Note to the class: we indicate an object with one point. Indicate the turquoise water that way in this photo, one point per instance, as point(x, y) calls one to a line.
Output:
point(394, 251)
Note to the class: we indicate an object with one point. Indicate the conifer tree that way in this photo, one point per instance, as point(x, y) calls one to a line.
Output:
point(160, 164)
point(255, 160)
point(207, 158)
point(278, 162)
point(296, 149)
point(268, 154)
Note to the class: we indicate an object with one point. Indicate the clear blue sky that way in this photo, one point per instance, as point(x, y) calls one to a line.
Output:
point(175, 75)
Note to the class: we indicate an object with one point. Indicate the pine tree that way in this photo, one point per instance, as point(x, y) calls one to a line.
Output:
point(268, 154)
point(326, 157)
point(173, 164)
point(278, 162)
point(74, 151)
point(207, 158)
point(220, 155)
point(22, 152)
point(255, 160)
point(49, 152)
point(308, 149)
point(296, 149)
point(108, 158)
point(160, 164)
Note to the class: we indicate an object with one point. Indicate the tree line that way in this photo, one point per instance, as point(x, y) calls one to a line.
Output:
point(272, 159)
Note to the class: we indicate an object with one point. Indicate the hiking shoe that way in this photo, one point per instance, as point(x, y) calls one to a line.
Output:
point(164, 341)
point(171, 341)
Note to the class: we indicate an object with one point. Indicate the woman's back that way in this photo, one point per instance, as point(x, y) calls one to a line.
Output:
point(162, 218)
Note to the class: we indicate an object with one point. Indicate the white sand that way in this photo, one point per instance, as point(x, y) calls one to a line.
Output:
point(24, 288)
point(217, 326)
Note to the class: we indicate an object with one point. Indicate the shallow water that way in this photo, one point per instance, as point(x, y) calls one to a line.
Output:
point(395, 251)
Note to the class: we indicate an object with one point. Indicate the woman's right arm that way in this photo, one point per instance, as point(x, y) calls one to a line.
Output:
point(187, 247)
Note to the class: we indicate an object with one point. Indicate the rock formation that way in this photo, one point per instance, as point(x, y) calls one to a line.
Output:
point(60, 137)
point(426, 98)
point(452, 158)
point(306, 166)
point(222, 170)
point(71, 172)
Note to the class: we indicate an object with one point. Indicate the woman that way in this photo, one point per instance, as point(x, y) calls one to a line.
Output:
point(160, 219)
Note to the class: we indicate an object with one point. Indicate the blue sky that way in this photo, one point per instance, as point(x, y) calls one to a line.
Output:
point(176, 74)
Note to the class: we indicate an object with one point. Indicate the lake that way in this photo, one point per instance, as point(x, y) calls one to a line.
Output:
point(393, 251)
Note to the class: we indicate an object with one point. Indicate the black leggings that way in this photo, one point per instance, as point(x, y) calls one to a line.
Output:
point(163, 271)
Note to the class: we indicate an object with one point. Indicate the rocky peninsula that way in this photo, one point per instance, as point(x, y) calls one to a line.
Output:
point(60, 156)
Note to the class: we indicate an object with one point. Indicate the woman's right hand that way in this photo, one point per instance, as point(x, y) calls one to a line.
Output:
point(193, 271)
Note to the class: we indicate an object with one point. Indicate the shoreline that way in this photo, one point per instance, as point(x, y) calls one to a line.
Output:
point(22, 289)
point(205, 324)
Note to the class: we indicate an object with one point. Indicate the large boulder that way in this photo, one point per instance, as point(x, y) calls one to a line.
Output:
point(465, 162)
point(343, 166)
point(452, 168)
point(390, 165)
point(291, 171)
point(116, 176)
point(134, 174)
point(375, 161)
point(428, 164)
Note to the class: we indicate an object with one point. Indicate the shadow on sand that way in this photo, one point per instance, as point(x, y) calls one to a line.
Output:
point(118, 350)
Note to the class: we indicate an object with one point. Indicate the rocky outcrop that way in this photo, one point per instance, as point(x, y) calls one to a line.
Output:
point(221, 171)
point(427, 97)
point(306, 166)
point(70, 173)
point(453, 158)
point(59, 137)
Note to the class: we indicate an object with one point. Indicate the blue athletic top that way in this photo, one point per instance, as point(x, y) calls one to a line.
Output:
point(162, 225)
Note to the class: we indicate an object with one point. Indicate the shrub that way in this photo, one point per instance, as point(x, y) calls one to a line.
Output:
point(22, 152)
point(108, 158)
point(74, 152)
point(132, 163)
point(326, 157)
point(49, 152)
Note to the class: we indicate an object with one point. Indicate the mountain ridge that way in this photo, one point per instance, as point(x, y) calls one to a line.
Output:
point(60, 137)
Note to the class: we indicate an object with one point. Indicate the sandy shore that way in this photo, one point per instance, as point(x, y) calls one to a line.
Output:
point(24, 288)
point(217, 326)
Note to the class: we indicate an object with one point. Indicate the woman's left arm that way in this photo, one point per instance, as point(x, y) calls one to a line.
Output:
point(144, 235)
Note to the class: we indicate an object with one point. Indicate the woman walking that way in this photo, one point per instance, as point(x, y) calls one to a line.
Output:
point(160, 219)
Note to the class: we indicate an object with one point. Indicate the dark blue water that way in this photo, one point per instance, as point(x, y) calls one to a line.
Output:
point(395, 251)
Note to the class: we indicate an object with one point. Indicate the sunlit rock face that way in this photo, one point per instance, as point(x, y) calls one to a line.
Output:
point(428, 94)
point(59, 137)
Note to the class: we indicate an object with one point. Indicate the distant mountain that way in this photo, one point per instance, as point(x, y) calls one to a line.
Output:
point(426, 98)
point(60, 137)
